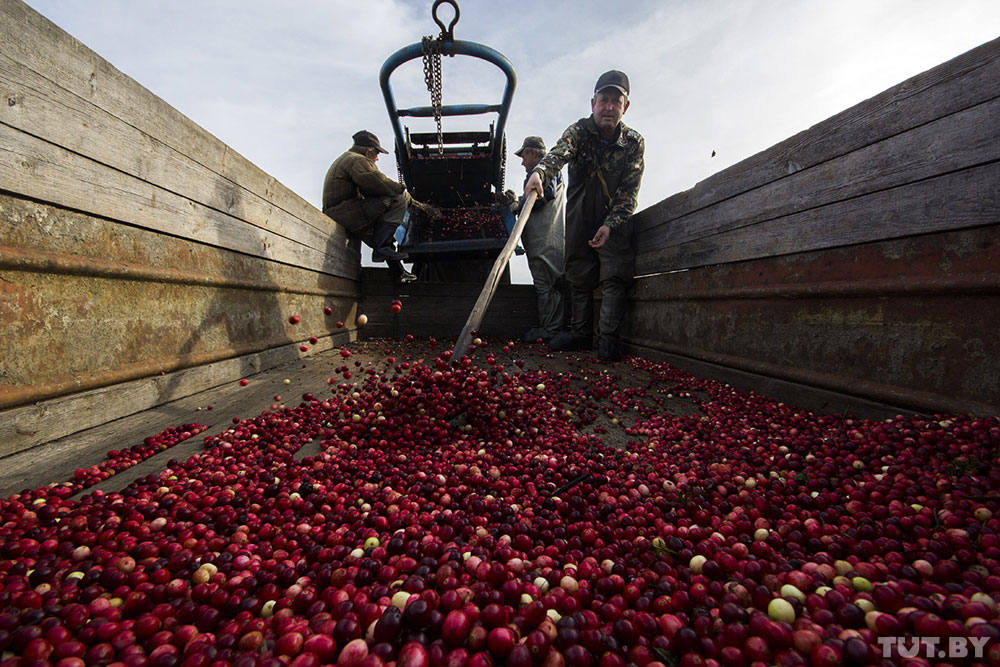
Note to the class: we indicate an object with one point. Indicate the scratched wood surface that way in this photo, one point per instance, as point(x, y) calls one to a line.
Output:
point(141, 258)
point(101, 320)
point(937, 122)
point(858, 256)
point(58, 90)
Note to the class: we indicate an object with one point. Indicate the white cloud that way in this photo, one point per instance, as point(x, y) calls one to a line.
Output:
point(287, 82)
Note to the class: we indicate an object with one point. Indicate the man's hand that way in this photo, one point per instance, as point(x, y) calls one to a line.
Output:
point(507, 199)
point(600, 238)
point(430, 211)
point(510, 200)
point(534, 184)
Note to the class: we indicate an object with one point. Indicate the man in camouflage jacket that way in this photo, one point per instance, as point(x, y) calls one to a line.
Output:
point(605, 159)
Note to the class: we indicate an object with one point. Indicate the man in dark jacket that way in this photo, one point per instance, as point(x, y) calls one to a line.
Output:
point(605, 159)
point(544, 245)
point(369, 204)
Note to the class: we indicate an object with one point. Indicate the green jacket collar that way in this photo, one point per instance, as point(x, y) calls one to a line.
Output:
point(591, 126)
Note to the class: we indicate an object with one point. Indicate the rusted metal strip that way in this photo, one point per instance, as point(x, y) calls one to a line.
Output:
point(11, 396)
point(978, 284)
point(16, 259)
point(920, 400)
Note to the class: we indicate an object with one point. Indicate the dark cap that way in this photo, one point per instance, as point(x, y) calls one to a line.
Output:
point(531, 142)
point(366, 139)
point(612, 79)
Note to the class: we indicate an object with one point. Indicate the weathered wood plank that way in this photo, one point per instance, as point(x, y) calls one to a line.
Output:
point(40, 261)
point(25, 427)
point(32, 40)
point(177, 254)
point(929, 402)
point(926, 263)
point(148, 302)
point(920, 345)
point(40, 237)
point(42, 108)
point(961, 199)
point(43, 171)
point(956, 142)
point(912, 317)
point(68, 333)
point(958, 84)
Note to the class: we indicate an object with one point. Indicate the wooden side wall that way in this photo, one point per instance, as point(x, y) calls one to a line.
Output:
point(141, 259)
point(860, 256)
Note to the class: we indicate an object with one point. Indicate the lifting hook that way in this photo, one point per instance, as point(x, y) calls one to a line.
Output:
point(449, 32)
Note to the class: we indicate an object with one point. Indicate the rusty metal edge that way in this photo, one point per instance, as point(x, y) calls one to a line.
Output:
point(849, 386)
point(15, 259)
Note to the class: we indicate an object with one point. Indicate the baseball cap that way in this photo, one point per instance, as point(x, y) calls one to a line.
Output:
point(366, 139)
point(612, 79)
point(531, 142)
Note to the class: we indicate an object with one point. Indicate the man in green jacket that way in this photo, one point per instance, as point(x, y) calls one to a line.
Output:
point(369, 204)
point(605, 159)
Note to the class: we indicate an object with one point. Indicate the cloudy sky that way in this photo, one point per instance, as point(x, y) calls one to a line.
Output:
point(287, 82)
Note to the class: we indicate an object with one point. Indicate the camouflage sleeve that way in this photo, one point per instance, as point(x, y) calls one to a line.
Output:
point(564, 151)
point(625, 198)
point(372, 182)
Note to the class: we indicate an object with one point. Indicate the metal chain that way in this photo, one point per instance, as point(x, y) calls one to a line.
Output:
point(503, 164)
point(432, 77)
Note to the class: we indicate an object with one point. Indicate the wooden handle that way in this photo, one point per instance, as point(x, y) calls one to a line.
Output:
point(493, 280)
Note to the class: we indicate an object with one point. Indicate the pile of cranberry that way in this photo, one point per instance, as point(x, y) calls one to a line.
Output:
point(477, 512)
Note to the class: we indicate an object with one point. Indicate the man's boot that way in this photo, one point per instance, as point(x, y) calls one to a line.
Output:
point(581, 333)
point(536, 334)
point(398, 273)
point(609, 349)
